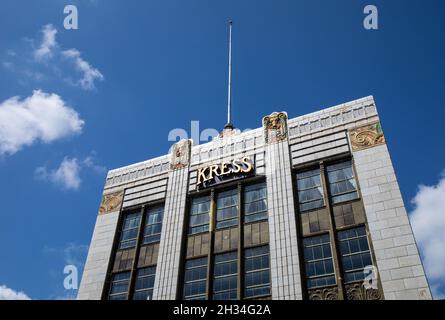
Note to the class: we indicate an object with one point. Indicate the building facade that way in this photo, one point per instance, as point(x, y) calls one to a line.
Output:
point(302, 208)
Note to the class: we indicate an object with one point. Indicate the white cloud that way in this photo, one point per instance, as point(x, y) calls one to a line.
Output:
point(49, 60)
point(90, 74)
point(72, 253)
point(428, 222)
point(9, 294)
point(41, 117)
point(8, 65)
point(66, 175)
point(91, 163)
point(45, 50)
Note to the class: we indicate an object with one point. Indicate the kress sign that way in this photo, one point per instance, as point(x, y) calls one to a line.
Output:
point(225, 171)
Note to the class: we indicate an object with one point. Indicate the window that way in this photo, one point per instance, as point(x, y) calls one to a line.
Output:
point(257, 273)
point(227, 209)
point(310, 190)
point(318, 261)
point(355, 254)
point(119, 286)
point(255, 203)
point(130, 230)
point(199, 215)
point(225, 276)
point(195, 279)
point(145, 280)
point(342, 185)
point(153, 225)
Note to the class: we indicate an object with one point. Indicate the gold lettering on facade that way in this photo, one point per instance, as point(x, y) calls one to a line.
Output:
point(236, 166)
point(249, 165)
point(224, 169)
point(245, 165)
point(202, 175)
point(214, 170)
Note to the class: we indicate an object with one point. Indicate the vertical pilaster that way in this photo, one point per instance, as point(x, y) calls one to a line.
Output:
point(285, 268)
point(167, 270)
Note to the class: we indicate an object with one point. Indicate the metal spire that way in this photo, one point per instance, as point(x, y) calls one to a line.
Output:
point(229, 98)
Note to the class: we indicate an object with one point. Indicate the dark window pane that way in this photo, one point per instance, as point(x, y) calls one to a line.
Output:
point(318, 252)
point(327, 251)
point(329, 266)
point(118, 297)
point(318, 261)
point(319, 268)
point(119, 286)
point(227, 209)
point(366, 258)
point(310, 190)
point(129, 230)
point(310, 269)
point(344, 248)
point(354, 245)
point(342, 184)
point(357, 256)
point(153, 224)
point(257, 273)
point(199, 215)
point(225, 275)
point(195, 279)
point(145, 279)
point(143, 295)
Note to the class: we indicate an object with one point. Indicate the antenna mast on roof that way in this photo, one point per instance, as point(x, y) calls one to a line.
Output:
point(229, 124)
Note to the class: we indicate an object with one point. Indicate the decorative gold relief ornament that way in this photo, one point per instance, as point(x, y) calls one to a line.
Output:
point(275, 127)
point(111, 202)
point(180, 154)
point(366, 136)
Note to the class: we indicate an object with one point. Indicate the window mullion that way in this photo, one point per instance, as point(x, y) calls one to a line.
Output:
point(240, 255)
point(334, 251)
point(210, 260)
point(139, 238)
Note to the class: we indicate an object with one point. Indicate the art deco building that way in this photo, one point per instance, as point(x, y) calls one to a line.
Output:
point(302, 208)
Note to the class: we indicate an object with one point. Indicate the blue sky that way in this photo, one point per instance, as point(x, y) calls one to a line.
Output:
point(134, 70)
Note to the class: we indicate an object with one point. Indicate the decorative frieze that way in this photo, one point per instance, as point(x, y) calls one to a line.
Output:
point(366, 136)
point(342, 115)
point(180, 154)
point(324, 293)
point(132, 173)
point(357, 291)
point(111, 202)
point(275, 127)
